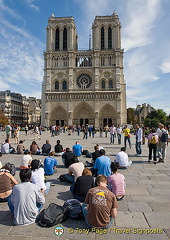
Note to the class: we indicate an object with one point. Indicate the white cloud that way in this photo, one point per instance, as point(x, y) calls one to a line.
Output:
point(31, 4)
point(165, 67)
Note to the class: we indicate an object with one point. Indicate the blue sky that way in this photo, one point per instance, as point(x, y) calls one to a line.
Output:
point(145, 39)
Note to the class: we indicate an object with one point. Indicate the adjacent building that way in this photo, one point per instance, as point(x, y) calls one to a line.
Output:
point(83, 87)
point(141, 113)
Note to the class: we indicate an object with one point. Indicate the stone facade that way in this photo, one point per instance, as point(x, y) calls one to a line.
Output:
point(83, 87)
point(141, 113)
point(34, 111)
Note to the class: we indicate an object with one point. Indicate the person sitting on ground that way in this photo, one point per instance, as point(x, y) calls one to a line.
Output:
point(102, 165)
point(75, 170)
point(116, 182)
point(100, 205)
point(77, 149)
point(50, 164)
point(37, 176)
point(67, 156)
point(6, 147)
point(58, 149)
point(99, 147)
point(7, 181)
point(26, 200)
point(82, 185)
point(122, 159)
point(34, 148)
point(95, 154)
point(26, 160)
point(20, 147)
point(46, 148)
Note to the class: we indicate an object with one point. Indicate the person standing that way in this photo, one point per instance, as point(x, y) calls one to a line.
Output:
point(139, 135)
point(152, 144)
point(126, 132)
point(8, 131)
point(163, 142)
point(119, 134)
point(112, 133)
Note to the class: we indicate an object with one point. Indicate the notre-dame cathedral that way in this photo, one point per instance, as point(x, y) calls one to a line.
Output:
point(87, 86)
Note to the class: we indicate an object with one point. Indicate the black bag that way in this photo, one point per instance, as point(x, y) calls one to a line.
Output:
point(51, 216)
point(74, 208)
point(63, 179)
point(164, 137)
point(85, 152)
point(12, 168)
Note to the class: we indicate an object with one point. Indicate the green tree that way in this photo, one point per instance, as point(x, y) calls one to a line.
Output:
point(3, 119)
point(130, 115)
point(155, 117)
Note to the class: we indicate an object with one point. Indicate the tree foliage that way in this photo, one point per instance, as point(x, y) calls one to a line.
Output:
point(130, 115)
point(155, 117)
point(3, 119)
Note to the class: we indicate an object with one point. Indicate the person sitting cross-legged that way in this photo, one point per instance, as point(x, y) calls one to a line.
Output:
point(46, 148)
point(82, 185)
point(75, 170)
point(26, 200)
point(100, 205)
point(50, 164)
point(122, 159)
point(116, 182)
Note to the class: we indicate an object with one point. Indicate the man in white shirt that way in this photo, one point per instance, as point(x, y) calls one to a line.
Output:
point(112, 133)
point(122, 159)
point(163, 142)
point(139, 133)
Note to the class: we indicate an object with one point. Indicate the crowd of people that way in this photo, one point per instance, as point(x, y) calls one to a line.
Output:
point(98, 186)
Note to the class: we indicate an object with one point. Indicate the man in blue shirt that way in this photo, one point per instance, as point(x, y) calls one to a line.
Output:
point(77, 149)
point(50, 164)
point(102, 164)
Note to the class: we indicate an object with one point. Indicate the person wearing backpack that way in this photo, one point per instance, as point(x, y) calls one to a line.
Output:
point(152, 144)
point(163, 142)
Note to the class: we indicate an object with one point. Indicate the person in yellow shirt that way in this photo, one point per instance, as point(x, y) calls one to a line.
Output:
point(126, 132)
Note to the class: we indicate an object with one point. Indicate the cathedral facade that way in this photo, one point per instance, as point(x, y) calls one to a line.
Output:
point(83, 87)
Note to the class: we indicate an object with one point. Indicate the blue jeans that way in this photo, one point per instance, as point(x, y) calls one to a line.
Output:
point(70, 178)
point(76, 196)
point(112, 138)
point(47, 184)
point(85, 211)
point(119, 138)
point(127, 139)
point(138, 147)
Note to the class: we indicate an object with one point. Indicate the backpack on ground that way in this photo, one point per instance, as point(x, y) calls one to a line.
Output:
point(164, 137)
point(51, 216)
point(153, 139)
point(85, 152)
point(74, 208)
point(11, 168)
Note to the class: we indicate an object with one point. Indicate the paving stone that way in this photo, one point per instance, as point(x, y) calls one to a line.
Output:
point(137, 191)
point(7, 237)
point(159, 207)
point(158, 220)
point(130, 220)
point(139, 207)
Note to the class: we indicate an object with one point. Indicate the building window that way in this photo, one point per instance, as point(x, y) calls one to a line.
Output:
point(56, 85)
point(102, 61)
point(102, 38)
point(64, 85)
point(65, 39)
point(109, 38)
point(57, 40)
point(103, 84)
point(110, 83)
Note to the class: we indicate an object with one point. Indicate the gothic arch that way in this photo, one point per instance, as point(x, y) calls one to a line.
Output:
point(83, 112)
point(59, 116)
point(107, 115)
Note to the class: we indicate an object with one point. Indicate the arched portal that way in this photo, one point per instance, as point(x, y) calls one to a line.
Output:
point(59, 117)
point(107, 116)
point(83, 114)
